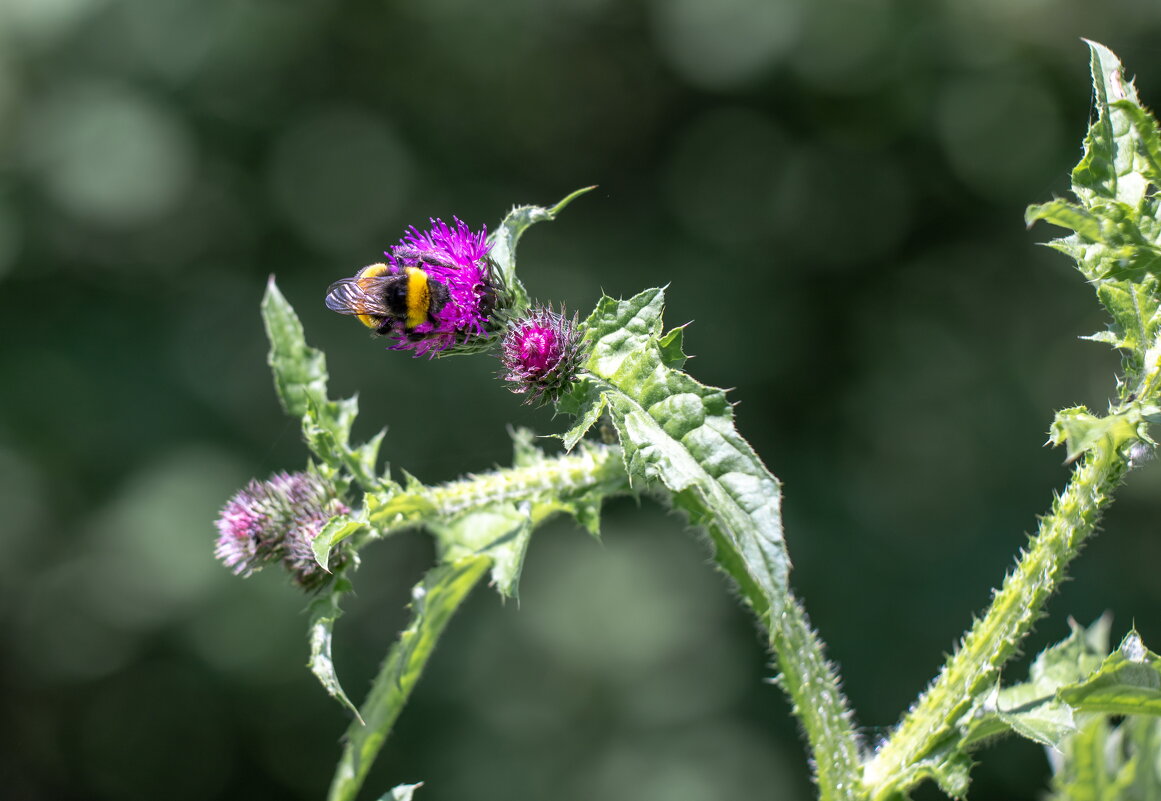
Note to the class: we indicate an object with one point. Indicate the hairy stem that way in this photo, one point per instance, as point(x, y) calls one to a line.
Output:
point(812, 684)
point(934, 720)
point(591, 470)
point(808, 679)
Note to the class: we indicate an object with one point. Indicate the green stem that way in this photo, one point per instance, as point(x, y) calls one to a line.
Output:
point(436, 598)
point(808, 679)
point(812, 684)
point(594, 471)
point(914, 750)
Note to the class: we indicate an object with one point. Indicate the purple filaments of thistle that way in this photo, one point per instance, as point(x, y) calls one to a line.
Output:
point(538, 350)
point(541, 354)
point(458, 259)
point(277, 520)
point(243, 527)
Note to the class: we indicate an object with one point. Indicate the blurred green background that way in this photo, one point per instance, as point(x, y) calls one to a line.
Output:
point(834, 192)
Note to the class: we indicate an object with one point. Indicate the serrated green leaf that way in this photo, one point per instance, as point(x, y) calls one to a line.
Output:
point(1117, 244)
point(948, 766)
point(586, 403)
point(500, 531)
point(409, 507)
point(1113, 240)
point(300, 378)
point(1128, 682)
point(363, 458)
point(617, 329)
point(953, 774)
point(588, 515)
point(324, 612)
point(1066, 215)
point(1148, 140)
point(504, 239)
point(1045, 723)
point(1081, 430)
point(1085, 773)
point(1031, 709)
point(410, 482)
point(434, 600)
point(402, 792)
point(1135, 310)
point(503, 529)
point(326, 429)
point(1110, 763)
point(1144, 766)
point(680, 434)
point(1109, 165)
point(1072, 658)
point(336, 530)
point(671, 346)
point(300, 371)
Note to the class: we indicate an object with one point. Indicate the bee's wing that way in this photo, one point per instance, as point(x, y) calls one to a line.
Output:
point(350, 296)
point(422, 257)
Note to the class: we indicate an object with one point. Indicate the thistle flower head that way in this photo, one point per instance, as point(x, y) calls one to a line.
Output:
point(277, 520)
point(541, 354)
point(458, 259)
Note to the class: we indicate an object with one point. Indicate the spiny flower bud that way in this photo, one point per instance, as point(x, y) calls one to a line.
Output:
point(541, 354)
point(277, 520)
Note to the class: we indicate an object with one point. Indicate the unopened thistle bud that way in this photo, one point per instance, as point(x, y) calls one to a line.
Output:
point(541, 354)
point(277, 520)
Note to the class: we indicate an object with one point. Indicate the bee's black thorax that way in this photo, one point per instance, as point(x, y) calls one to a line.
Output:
point(395, 296)
point(439, 296)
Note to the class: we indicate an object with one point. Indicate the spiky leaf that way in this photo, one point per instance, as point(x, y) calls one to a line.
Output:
point(1081, 431)
point(680, 434)
point(1128, 682)
point(1116, 222)
point(1031, 708)
point(336, 530)
point(402, 792)
point(1102, 762)
point(324, 612)
point(300, 378)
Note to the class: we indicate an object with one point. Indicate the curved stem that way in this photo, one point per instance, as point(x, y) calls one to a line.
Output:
point(809, 680)
point(917, 745)
point(813, 686)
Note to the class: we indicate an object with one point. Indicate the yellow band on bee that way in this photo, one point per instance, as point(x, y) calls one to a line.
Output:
point(371, 271)
point(418, 297)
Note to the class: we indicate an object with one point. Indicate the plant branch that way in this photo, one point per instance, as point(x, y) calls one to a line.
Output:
point(930, 733)
point(812, 683)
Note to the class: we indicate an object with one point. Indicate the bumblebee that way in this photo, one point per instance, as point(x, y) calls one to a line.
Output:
point(389, 302)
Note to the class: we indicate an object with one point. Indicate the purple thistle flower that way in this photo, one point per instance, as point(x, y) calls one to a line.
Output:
point(541, 353)
point(458, 259)
point(277, 519)
point(438, 291)
point(242, 530)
